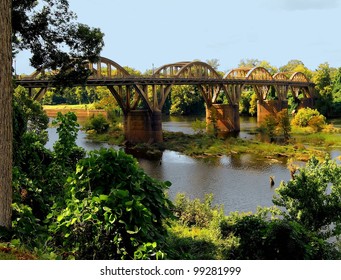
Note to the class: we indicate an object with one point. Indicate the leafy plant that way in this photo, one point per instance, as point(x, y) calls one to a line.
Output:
point(313, 197)
point(112, 209)
point(276, 126)
point(262, 239)
point(196, 213)
point(66, 151)
point(308, 117)
point(97, 123)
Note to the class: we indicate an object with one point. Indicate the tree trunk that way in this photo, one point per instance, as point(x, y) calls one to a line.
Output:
point(6, 129)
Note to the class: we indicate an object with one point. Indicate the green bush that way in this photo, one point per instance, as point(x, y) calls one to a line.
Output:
point(113, 210)
point(313, 197)
point(308, 117)
point(196, 213)
point(263, 239)
point(97, 123)
point(276, 126)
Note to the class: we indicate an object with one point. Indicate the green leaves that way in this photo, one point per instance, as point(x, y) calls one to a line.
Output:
point(313, 197)
point(110, 200)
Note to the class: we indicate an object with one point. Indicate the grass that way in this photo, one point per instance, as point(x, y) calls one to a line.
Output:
point(300, 147)
point(204, 145)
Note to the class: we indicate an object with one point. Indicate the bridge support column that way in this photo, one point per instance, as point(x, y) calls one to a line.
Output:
point(223, 117)
point(269, 107)
point(141, 126)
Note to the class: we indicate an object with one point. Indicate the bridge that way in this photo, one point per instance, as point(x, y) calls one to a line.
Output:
point(145, 125)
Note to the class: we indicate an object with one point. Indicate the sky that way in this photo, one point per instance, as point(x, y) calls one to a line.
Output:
point(143, 34)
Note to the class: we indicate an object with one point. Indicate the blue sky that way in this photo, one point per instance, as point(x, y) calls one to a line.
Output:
point(143, 33)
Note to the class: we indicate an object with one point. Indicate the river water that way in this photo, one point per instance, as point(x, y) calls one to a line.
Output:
point(239, 182)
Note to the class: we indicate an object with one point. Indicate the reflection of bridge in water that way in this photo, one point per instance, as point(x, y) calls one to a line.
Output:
point(145, 125)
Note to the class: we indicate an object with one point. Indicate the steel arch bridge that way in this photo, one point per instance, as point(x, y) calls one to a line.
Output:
point(129, 90)
point(126, 87)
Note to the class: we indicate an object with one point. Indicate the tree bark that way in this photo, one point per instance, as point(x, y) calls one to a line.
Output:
point(6, 128)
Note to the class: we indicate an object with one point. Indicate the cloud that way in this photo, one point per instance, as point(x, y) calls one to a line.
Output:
point(301, 5)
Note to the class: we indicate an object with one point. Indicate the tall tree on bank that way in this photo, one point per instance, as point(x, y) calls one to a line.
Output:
point(57, 42)
point(6, 130)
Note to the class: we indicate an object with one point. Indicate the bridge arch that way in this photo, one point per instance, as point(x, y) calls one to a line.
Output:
point(111, 69)
point(170, 70)
point(280, 76)
point(305, 89)
point(198, 69)
point(299, 77)
point(237, 73)
point(281, 89)
point(259, 73)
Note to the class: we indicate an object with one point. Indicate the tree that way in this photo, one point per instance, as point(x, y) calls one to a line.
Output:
point(6, 129)
point(337, 93)
point(214, 63)
point(249, 63)
point(56, 42)
point(323, 86)
point(313, 198)
point(186, 100)
point(291, 65)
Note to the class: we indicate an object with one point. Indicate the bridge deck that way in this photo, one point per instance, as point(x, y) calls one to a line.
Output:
point(130, 81)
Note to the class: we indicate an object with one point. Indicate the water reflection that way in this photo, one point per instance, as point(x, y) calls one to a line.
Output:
point(239, 182)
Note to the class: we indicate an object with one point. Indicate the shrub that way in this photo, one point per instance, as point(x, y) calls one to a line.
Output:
point(97, 123)
point(196, 213)
point(313, 197)
point(262, 239)
point(276, 126)
point(308, 117)
point(113, 210)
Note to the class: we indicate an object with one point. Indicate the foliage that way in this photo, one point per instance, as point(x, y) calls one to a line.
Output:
point(276, 126)
point(336, 106)
point(247, 104)
point(313, 197)
point(29, 125)
point(67, 153)
point(186, 100)
point(323, 86)
point(283, 124)
point(38, 176)
point(268, 126)
point(196, 213)
point(55, 40)
point(307, 117)
point(199, 126)
point(195, 233)
point(97, 123)
point(112, 209)
point(262, 239)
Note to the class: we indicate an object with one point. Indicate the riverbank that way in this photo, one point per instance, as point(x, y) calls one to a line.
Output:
point(301, 146)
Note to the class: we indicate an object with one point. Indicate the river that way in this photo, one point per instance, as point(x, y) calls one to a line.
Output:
point(239, 182)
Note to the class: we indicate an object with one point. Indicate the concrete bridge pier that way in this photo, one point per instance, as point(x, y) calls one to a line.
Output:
point(142, 126)
point(269, 107)
point(224, 117)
